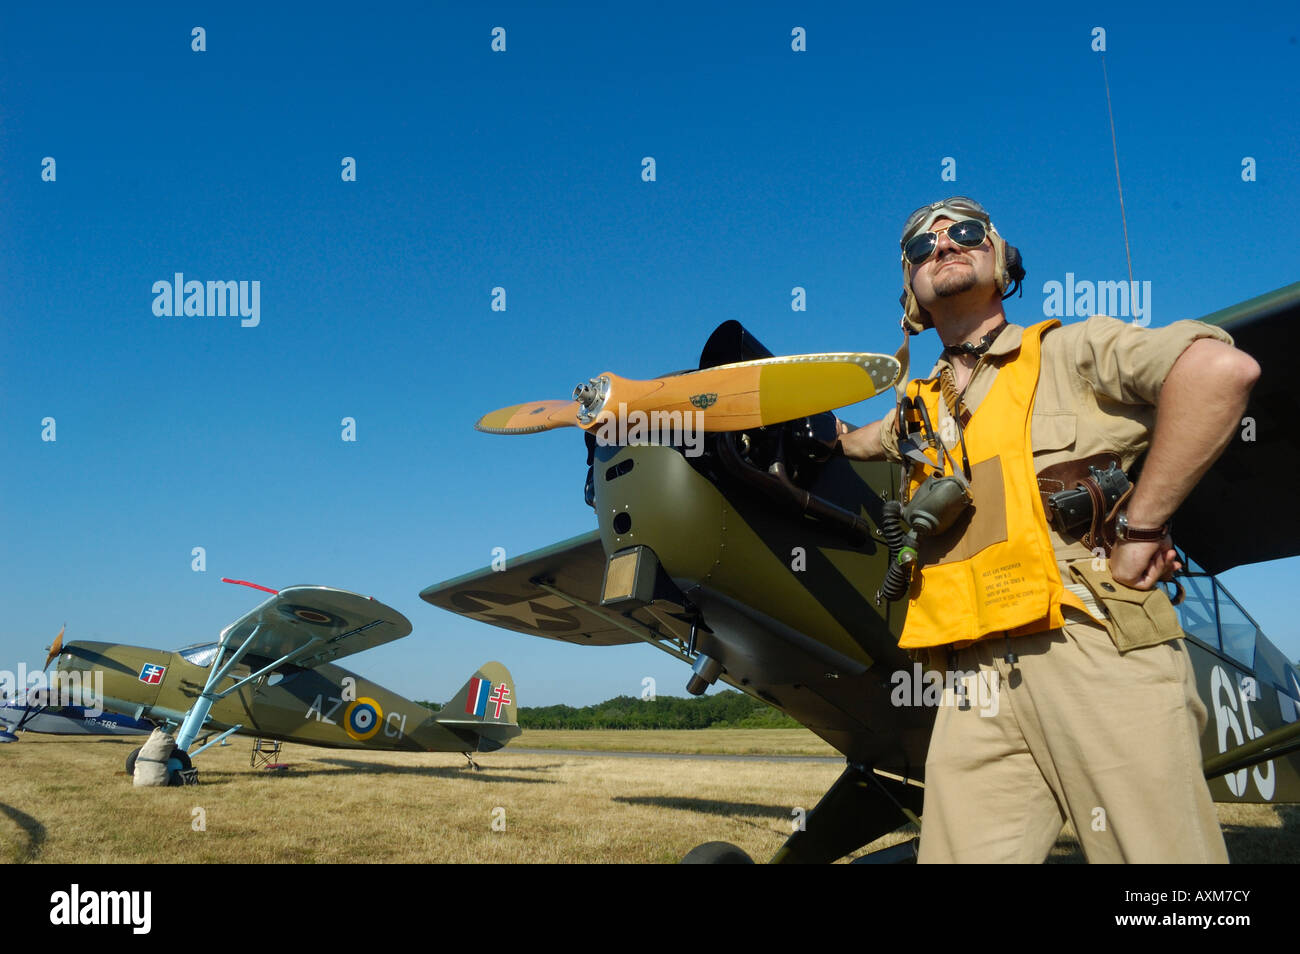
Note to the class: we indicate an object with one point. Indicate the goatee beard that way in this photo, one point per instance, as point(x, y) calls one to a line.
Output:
point(946, 286)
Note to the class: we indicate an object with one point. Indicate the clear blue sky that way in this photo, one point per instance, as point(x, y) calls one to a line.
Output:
point(522, 169)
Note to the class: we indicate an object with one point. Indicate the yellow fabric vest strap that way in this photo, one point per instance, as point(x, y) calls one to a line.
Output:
point(994, 571)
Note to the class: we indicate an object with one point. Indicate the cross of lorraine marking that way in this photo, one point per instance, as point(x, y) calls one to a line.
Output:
point(501, 696)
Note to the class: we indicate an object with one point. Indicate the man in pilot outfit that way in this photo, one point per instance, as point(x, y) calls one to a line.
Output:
point(1097, 718)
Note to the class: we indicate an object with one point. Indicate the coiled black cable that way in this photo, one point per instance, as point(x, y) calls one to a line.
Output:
point(898, 578)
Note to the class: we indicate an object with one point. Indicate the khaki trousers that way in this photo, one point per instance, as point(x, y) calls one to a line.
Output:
point(1072, 730)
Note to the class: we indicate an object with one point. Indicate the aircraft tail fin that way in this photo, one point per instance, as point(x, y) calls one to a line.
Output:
point(484, 706)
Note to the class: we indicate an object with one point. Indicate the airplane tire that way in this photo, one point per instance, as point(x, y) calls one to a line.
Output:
point(130, 760)
point(174, 779)
point(717, 853)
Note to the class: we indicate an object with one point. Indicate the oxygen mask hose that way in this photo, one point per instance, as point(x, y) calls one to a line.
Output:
point(902, 554)
point(935, 506)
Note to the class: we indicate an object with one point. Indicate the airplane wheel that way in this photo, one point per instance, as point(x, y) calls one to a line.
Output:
point(130, 760)
point(174, 780)
point(717, 853)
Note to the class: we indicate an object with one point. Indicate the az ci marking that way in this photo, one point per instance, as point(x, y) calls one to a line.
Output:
point(362, 717)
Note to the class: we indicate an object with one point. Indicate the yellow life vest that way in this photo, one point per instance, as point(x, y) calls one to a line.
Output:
point(994, 571)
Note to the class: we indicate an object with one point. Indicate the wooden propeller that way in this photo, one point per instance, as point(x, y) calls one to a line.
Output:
point(731, 397)
point(54, 648)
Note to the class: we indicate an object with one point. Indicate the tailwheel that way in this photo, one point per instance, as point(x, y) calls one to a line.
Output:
point(472, 764)
point(717, 853)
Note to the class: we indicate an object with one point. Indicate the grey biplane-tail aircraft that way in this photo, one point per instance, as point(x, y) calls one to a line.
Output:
point(693, 555)
point(272, 675)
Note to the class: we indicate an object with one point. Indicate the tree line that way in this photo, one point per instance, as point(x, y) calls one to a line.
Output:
point(722, 710)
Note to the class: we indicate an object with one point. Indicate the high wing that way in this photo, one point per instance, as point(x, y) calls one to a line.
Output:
point(555, 592)
point(315, 624)
point(1241, 511)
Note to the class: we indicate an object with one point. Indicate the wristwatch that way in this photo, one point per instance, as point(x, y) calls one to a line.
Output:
point(1139, 534)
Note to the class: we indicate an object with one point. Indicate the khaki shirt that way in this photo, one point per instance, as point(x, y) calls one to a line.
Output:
point(1097, 390)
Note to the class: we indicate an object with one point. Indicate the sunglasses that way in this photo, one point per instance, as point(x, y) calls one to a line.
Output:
point(969, 233)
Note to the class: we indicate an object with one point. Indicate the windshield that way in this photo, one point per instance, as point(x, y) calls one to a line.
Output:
point(200, 655)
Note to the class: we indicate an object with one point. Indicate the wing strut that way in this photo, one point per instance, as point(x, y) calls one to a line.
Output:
point(1270, 745)
point(198, 713)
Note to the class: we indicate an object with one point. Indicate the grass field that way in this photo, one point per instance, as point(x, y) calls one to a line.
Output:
point(65, 800)
point(686, 741)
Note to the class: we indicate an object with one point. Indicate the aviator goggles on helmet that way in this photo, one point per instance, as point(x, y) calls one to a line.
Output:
point(968, 233)
point(965, 207)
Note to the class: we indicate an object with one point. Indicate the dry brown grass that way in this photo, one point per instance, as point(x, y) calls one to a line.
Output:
point(69, 801)
point(688, 741)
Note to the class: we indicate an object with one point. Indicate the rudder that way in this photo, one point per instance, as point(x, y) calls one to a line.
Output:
point(486, 706)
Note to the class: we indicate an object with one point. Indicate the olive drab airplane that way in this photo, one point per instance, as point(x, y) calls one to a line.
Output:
point(757, 561)
point(272, 675)
point(56, 710)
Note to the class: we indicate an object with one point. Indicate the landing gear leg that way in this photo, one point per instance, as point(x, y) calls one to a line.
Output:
point(472, 764)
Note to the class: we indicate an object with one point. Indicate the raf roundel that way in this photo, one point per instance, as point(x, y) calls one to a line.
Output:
point(310, 614)
point(362, 719)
